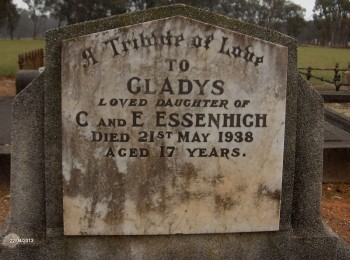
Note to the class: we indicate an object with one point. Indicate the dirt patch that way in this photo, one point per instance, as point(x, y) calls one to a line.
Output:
point(336, 208)
point(4, 204)
point(4, 186)
point(7, 87)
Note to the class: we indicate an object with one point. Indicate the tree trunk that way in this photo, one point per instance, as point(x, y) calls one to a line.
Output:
point(35, 25)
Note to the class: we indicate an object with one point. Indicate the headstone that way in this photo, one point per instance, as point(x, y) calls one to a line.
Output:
point(24, 77)
point(172, 121)
point(346, 77)
point(172, 133)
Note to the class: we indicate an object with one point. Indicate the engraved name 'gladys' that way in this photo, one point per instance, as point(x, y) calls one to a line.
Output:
point(136, 85)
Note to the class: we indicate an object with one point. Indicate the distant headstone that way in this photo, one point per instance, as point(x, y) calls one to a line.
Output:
point(179, 126)
point(24, 77)
point(346, 77)
point(172, 121)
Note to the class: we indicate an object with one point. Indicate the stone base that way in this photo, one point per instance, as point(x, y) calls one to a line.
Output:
point(276, 245)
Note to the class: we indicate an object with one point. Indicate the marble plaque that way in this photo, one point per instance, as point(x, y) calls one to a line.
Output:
point(172, 126)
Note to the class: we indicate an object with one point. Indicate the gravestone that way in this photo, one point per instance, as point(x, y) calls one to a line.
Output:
point(168, 133)
point(172, 141)
point(24, 77)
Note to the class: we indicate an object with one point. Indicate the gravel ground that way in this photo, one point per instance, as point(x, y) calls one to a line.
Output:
point(7, 87)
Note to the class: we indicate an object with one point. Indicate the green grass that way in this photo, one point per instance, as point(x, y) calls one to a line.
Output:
point(9, 50)
point(319, 57)
point(316, 57)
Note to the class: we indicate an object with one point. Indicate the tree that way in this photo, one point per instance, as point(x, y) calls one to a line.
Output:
point(281, 15)
point(3, 7)
point(251, 12)
point(8, 16)
point(12, 19)
point(75, 11)
point(36, 10)
point(268, 13)
point(331, 17)
point(295, 21)
point(271, 13)
point(144, 4)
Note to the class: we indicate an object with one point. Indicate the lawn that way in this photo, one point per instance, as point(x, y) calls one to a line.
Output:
point(9, 50)
point(316, 57)
point(320, 57)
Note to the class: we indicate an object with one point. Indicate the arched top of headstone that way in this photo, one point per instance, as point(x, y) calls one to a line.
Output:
point(147, 15)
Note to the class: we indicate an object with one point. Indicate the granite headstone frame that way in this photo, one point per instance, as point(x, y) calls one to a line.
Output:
point(188, 128)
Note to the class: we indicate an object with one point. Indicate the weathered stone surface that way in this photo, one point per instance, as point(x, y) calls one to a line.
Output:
point(172, 126)
point(5, 125)
point(27, 162)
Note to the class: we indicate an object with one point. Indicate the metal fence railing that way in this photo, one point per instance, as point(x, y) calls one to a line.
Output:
point(338, 79)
